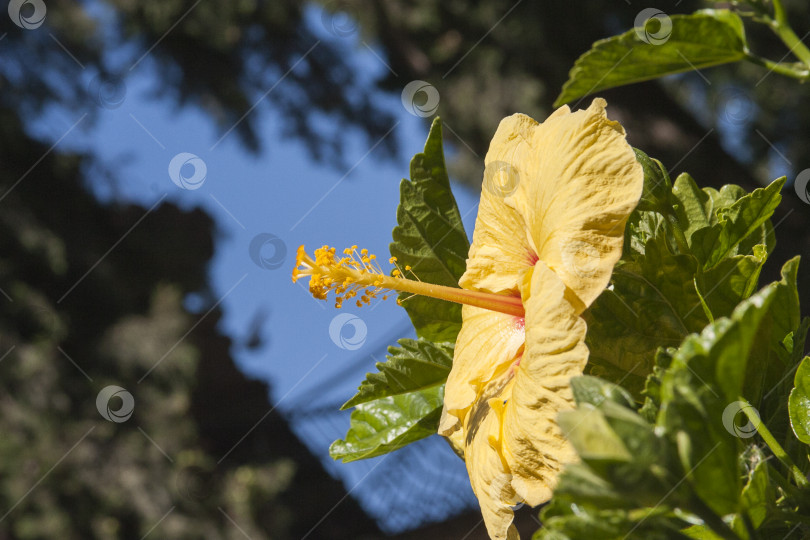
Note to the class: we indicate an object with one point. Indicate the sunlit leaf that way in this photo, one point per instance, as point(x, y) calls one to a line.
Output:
point(388, 424)
point(430, 238)
point(799, 402)
point(665, 45)
point(414, 365)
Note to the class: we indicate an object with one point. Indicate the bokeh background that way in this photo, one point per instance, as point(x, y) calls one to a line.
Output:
point(161, 161)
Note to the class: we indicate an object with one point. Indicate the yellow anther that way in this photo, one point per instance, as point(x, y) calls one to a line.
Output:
point(354, 275)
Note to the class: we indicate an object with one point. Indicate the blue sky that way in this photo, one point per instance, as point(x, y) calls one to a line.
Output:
point(284, 196)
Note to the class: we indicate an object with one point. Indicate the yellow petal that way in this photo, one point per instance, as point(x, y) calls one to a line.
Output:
point(485, 348)
point(578, 181)
point(534, 447)
point(489, 475)
point(501, 249)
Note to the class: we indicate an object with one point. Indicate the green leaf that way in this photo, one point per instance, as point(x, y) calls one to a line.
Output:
point(594, 390)
point(388, 424)
point(652, 386)
point(705, 378)
point(652, 303)
point(730, 225)
point(799, 402)
point(696, 208)
point(413, 366)
point(402, 402)
point(430, 238)
point(703, 39)
point(729, 233)
point(758, 495)
point(657, 185)
point(731, 281)
point(690, 256)
point(594, 439)
point(579, 482)
point(701, 532)
point(618, 489)
point(779, 346)
point(638, 479)
point(648, 524)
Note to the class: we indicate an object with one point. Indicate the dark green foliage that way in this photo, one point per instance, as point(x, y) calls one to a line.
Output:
point(697, 460)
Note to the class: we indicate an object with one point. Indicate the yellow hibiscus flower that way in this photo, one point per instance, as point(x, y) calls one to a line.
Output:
point(550, 227)
point(548, 232)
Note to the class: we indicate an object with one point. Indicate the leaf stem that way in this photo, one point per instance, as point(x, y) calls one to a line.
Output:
point(776, 448)
point(781, 27)
point(795, 70)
